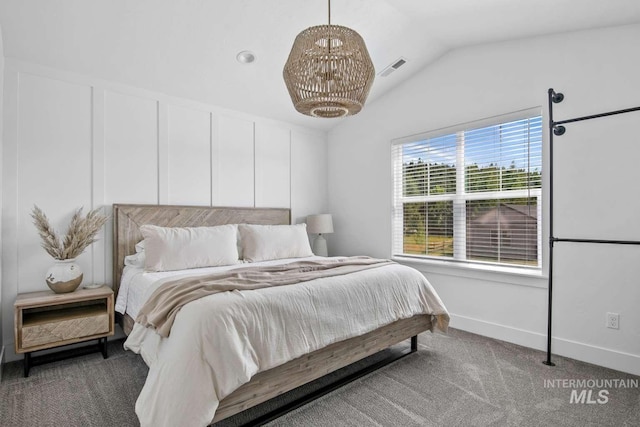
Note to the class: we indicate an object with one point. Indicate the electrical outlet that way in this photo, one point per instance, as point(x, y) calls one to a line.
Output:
point(613, 320)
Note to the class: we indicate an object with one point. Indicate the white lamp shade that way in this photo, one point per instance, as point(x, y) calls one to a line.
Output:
point(319, 224)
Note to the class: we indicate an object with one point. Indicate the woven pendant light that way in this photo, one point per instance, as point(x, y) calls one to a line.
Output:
point(329, 72)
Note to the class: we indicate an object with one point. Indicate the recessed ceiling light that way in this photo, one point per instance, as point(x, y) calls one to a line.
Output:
point(245, 57)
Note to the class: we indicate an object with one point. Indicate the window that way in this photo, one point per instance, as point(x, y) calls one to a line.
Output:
point(471, 193)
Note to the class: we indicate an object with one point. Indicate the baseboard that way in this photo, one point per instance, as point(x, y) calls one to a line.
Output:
point(10, 355)
point(1, 361)
point(500, 332)
point(605, 357)
point(618, 360)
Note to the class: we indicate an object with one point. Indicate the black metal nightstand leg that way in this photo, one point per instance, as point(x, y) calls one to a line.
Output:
point(26, 364)
point(103, 347)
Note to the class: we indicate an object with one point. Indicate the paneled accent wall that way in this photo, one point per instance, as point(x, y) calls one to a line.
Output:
point(190, 156)
point(234, 170)
point(72, 141)
point(271, 178)
point(130, 148)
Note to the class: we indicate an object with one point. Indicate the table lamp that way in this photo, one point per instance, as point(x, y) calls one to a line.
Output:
point(320, 224)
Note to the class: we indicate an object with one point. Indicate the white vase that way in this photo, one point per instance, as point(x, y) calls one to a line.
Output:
point(64, 276)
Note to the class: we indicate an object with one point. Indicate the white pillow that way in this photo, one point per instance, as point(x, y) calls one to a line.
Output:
point(180, 248)
point(266, 242)
point(135, 260)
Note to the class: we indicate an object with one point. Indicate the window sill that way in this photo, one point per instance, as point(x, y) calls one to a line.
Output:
point(490, 273)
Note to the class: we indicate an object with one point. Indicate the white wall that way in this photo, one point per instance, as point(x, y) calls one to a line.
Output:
point(1, 105)
point(597, 71)
point(72, 141)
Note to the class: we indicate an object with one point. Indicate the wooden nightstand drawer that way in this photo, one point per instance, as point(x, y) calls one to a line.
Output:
point(56, 326)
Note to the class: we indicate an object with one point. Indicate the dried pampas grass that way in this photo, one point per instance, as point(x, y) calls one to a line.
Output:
point(81, 233)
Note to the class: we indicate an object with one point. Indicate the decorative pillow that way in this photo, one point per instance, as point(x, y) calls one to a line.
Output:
point(180, 248)
point(266, 242)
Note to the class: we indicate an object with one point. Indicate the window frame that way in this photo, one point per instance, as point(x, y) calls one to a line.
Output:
point(461, 196)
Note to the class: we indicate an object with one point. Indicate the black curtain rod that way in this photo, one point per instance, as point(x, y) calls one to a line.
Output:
point(595, 116)
point(613, 242)
point(556, 127)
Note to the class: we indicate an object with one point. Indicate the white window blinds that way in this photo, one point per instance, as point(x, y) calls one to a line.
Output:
point(472, 193)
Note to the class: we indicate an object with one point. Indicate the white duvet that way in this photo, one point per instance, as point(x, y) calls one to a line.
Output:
point(219, 342)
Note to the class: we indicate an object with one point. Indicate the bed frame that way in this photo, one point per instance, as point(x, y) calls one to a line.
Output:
point(268, 384)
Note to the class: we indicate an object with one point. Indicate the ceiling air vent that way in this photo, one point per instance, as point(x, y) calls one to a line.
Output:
point(391, 68)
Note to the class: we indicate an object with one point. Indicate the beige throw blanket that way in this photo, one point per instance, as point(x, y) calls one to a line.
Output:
point(160, 310)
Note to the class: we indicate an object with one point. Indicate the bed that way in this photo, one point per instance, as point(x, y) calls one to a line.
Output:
point(261, 385)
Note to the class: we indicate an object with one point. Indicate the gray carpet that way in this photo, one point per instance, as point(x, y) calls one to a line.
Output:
point(459, 379)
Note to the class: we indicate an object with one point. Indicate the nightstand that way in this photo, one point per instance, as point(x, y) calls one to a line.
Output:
point(46, 320)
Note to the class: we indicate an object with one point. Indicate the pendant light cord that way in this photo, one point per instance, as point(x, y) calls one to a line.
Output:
point(329, 30)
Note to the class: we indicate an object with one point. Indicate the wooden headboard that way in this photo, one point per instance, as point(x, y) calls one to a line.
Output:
point(127, 220)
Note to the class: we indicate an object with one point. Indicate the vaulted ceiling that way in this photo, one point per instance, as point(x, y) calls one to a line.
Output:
point(187, 48)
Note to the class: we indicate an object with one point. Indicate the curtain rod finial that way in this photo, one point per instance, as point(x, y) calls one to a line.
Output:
point(557, 97)
point(559, 130)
